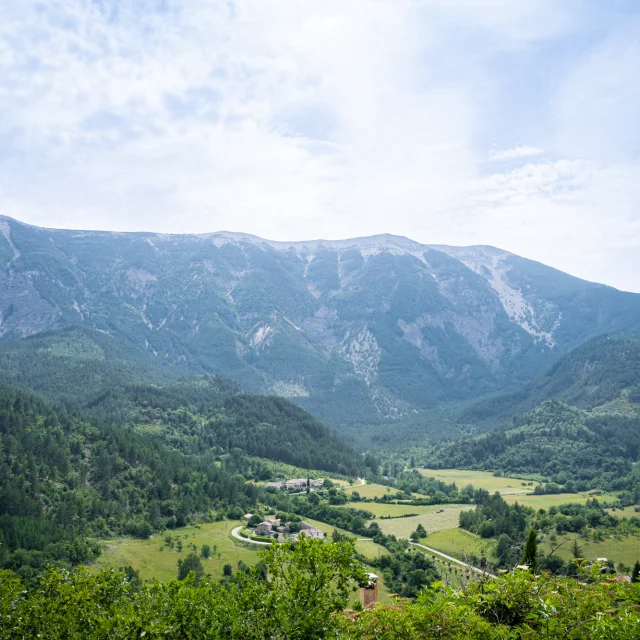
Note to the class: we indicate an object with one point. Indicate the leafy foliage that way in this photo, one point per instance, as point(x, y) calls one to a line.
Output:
point(301, 593)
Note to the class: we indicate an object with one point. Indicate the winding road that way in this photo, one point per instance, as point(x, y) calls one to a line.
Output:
point(450, 559)
point(235, 534)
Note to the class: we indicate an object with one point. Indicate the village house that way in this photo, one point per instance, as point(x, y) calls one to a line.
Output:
point(297, 484)
point(247, 516)
point(263, 529)
point(274, 522)
point(314, 533)
point(273, 485)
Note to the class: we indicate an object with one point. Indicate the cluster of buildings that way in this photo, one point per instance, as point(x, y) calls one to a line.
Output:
point(269, 526)
point(296, 484)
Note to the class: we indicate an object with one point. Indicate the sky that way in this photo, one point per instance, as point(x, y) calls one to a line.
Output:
point(499, 122)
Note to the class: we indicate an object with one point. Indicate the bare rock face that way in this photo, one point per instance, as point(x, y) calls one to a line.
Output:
point(369, 329)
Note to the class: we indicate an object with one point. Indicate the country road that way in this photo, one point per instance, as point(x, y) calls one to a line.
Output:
point(450, 559)
point(235, 534)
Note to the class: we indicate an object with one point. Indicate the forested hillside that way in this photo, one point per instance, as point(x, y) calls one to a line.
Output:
point(202, 413)
point(72, 366)
point(603, 370)
point(64, 477)
point(579, 423)
point(568, 445)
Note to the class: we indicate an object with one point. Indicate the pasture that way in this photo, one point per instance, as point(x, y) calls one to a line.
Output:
point(380, 509)
point(371, 490)
point(625, 512)
point(556, 499)
point(624, 549)
point(430, 520)
point(369, 549)
point(480, 480)
point(460, 543)
point(147, 557)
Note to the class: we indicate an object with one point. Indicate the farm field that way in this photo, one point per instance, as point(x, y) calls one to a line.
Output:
point(481, 480)
point(431, 520)
point(553, 500)
point(458, 543)
point(369, 549)
point(145, 555)
point(379, 509)
point(625, 549)
point(371, 490)
point(625, 512)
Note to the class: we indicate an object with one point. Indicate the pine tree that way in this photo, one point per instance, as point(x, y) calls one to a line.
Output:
point(575, 549)
point(635, 574)
point(531, 551)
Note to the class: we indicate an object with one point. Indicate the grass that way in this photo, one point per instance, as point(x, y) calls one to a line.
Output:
point(554, 500)
point(145, 555)
point(369, 549)
point(626, 512)
point(430, 520)
point(458, 543)
point(380, 509)
point(371, 490)
point(480, 480)
point(624, 549)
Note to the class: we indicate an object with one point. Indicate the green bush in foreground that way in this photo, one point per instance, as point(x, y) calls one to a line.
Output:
point(304, 597)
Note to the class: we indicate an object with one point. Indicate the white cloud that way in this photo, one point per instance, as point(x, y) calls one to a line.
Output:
point(295, 119)
point(515, 152)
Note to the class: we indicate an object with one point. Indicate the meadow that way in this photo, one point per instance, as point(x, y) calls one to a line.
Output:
point(371, 490)
point(624, 549)
point(147, 557)
point(380, 509)
point(556, 499)
point(625, 512)
point(481, 480)
point(460, 543)
point(430, 520)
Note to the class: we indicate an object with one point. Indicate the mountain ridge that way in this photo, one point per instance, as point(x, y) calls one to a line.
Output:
point(384, 324)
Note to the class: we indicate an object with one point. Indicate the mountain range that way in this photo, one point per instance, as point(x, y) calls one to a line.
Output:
point(359, 332)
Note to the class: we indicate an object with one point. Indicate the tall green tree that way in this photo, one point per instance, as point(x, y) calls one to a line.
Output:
point(529, 557)
point(189, 564)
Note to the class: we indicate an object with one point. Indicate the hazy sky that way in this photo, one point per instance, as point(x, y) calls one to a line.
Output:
point(514, 123)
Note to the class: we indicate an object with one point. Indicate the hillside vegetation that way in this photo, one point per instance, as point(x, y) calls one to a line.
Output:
point(207, 412)
point(583, 430)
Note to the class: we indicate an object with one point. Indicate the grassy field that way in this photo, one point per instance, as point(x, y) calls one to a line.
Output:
point(458, 543)
point(626, 512)
point(379, 509)
point(145, 555)
point(430, 520)
point(369, 549)
point(481, 480)
point(625, 549)
point(371, 490)
point(553, 500)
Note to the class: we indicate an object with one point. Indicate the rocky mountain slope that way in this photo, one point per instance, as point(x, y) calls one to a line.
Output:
point(357, 331)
